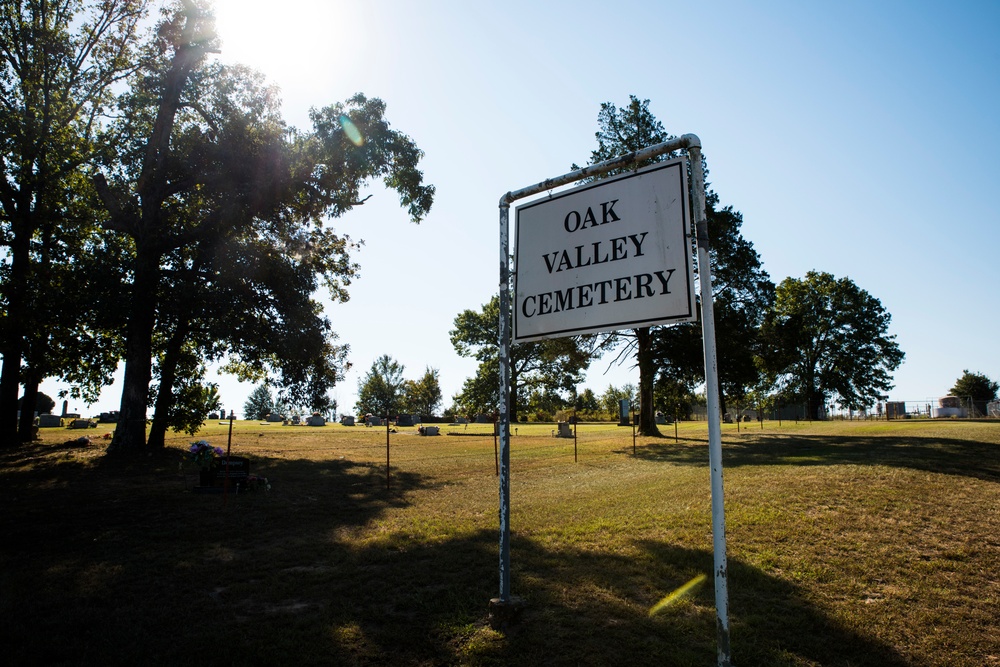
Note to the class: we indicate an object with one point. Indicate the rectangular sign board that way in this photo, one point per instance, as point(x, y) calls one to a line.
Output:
point(613, 254)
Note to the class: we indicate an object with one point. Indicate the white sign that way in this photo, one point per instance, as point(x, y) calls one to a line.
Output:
point(613, 254)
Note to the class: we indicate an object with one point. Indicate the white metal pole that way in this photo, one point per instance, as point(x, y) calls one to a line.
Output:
point(693, 145)
point(504, 344)
point(712, 391)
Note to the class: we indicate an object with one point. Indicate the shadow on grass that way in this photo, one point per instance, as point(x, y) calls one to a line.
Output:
point(950, 456)
point(117, 564)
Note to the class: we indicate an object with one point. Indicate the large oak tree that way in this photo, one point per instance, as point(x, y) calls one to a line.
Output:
point(827, 338)
point(213, 181)
point(742, 290)
point(59, 60)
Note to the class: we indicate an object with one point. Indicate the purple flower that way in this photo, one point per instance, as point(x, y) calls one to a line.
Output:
point(202, 452)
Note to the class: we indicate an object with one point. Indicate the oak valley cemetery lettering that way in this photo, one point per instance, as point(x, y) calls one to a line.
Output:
point(613, 254)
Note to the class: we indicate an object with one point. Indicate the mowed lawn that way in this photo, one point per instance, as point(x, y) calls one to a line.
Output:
point(850, 543)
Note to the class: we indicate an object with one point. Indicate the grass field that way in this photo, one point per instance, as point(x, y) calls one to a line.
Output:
point(850, 543)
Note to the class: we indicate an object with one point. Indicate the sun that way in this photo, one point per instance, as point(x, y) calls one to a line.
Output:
point(288, 39)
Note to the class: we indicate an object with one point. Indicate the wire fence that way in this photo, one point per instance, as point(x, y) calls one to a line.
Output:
point(944, 407)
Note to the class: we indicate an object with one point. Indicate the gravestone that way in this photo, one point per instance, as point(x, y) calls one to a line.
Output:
point(316, 420)
point(429, 430)
point(623, 406)
point(347, 420)
point(234, 468)
point(564, 430)
point(49, 421)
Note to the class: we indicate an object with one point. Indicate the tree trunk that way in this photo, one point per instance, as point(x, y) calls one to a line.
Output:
point(165, 394)
point(814, 403)
point(813, 398)
point(152, 190)
point(130, 434)
point(10, 383)
point(14, 331)
point(159, 424)
point(647, 373)
point(26, 425)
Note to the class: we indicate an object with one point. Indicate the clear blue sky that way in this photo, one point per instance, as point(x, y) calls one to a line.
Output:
point(856, 138)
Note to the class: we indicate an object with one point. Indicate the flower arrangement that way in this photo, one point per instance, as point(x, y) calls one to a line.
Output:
point(203, 453)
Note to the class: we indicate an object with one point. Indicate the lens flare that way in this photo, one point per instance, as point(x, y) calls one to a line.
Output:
point(688, 589)
point(352, 131)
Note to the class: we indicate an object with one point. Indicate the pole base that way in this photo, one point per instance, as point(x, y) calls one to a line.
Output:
point(504, 613)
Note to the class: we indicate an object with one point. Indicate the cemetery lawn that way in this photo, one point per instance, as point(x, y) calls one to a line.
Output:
point(850, 543)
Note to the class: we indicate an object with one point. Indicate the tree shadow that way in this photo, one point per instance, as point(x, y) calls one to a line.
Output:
point(56, 502)
point(951, 456)
point(108, 564)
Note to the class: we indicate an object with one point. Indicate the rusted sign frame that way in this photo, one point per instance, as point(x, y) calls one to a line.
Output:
point(692, 144)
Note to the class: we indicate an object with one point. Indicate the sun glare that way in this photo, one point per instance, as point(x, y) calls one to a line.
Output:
point(287, 40)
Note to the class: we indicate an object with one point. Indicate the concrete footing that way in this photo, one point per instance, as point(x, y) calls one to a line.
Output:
point(504, 613)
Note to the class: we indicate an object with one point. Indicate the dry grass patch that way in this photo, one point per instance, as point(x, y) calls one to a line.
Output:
point(849, 544)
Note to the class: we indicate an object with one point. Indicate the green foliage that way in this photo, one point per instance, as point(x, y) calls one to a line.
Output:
point(625, 130)
point(44, 404)
point(58, 64)
point(742, 290)
point(674, 399)
point(381, 390)
point(543, 406)
point(976, 386)
point(826, 337)
point(259, 404)
point(611, 397)
point(184, 402)
point(586, 402)
point(622, 131)
point(548, 366)
point(230, 214)
point(423, 396)
point(480, 394)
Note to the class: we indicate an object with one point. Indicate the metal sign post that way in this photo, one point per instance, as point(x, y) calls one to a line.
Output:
point(714, 408)
point(503, 608)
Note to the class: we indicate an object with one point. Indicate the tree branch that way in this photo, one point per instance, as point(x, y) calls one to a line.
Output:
point(119, 221)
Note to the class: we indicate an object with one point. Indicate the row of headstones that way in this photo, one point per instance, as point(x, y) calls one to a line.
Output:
point(69, 420)
point(296, 420)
